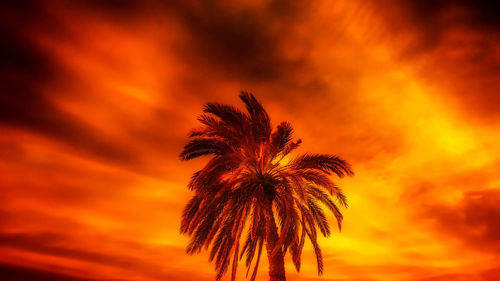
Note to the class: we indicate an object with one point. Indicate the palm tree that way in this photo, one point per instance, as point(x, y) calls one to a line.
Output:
point(251, 194)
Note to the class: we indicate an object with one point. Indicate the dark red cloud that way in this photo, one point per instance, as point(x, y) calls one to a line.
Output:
point(61, 246)
point(455, 44)
point(27, 70)
point(18, 273)
point(474, 219)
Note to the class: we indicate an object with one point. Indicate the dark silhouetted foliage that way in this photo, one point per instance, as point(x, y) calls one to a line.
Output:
point(252, 194)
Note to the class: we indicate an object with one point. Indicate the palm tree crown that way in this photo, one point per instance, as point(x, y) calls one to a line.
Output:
point(250, 194)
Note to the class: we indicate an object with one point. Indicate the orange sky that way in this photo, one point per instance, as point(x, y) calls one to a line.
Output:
point(98, 97)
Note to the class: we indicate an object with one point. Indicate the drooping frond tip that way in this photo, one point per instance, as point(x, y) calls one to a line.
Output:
point(325, 163)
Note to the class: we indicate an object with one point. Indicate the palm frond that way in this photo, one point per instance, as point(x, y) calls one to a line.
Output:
point(203, 146)
point(319, 216)
point(325, 199)
point(281, 136)
point(317, 252)
point(261, 124)
point(323, 162)
point(254, 274)
point(291, 146)
point(228, 114)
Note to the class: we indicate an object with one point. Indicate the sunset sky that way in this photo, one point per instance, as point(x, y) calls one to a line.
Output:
point(97, 99)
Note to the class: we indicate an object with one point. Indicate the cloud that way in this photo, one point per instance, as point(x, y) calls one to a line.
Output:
point(17, 273)
point(452, 44)
point(26, 71)
point(244, 42)
point(61, 246)
point(473, 219)
point(97, 98)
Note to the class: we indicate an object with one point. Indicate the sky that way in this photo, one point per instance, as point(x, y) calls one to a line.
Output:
point(97, 99)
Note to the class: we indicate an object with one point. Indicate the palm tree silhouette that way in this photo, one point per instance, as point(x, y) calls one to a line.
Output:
point(251, 193)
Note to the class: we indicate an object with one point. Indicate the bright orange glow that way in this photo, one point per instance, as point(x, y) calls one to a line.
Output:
point(97, 102)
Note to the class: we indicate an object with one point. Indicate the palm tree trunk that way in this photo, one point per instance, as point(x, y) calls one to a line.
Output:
point(276, 261)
